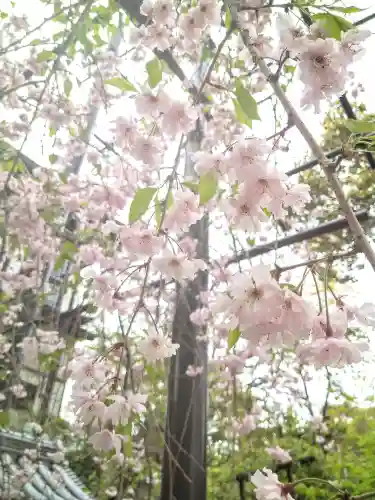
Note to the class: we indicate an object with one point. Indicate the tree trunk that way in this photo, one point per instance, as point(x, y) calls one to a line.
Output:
point(184, 461)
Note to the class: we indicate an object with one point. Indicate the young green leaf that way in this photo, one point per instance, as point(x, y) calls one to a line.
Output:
point(46, 55)
point(246, 101)
point(154, 71)
point(333, 25)
point(233, 337)
point(192, 186)
point(240, 115)
point(359, 126)
point(157, 211)
point(228, 18)
point(68, 87)
point(207, 187)
point(4, 418)
point(140, 203)
point(121, 83)
point(347, 10)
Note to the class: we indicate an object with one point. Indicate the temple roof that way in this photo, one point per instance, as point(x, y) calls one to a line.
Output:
point(36, 474)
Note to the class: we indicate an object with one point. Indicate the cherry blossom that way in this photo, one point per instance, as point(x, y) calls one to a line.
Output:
point(331, 351)
point(19, 391)
point(194, 371)
point(184, 211)
point(157, 347)
point(279, 454)
point(161, 11)
point(351, 43)
point(245, 426)
point(291, 35)
point(268, 486)
point(106, 440)
point(92, 411)
point(177, 266)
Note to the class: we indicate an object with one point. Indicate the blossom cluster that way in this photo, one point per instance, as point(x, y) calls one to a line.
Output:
point(324, 61)
point(271, 316)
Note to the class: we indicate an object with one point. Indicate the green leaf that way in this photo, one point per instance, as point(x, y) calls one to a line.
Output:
point(4, 419)
point(46, 55)
point(289, 69)
point(233, 337)
point(228, 18)
point(246, 101)
point(140, 203)
point(192, 186)
point(207, 187)
point(250, 241)
point(68, 250)
point(121, 83)
point(333, 25)
point(67, 87)
point(359, 126)
point(159, 208)
point(157, 212)
point(240, 115)
point(347, 10)
point(154, 71)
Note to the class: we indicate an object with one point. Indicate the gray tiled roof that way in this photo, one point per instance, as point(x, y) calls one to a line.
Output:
point(47, 480)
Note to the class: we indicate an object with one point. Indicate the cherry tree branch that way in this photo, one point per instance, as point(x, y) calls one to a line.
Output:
point(355, 227)
point(328, 227)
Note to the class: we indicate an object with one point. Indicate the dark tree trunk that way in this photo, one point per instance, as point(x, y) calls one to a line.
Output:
point(184, 461)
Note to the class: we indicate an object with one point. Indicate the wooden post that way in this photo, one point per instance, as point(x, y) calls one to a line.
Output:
point(184, 461)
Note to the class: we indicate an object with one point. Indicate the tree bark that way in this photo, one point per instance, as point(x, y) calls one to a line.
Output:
point(184, 461)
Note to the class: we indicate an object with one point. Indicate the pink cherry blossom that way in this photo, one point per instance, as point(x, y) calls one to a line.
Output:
point(322, 69)
point(268, 486)
point(200, 316)
point(207, 162)
point(279, 454)
point(179, 118)
point(244, 426)
point(19, 391)
point(146, 150)
point(177, 266)
point(365, 314)
point(92, 411)
point(155, 36)
point(184, 212)
point(91, 254)
point(290, 33)
point(152, 105)
point(161, 11)
point(207, 12)
point(351, 43)
point(331, 351)
point(141, 241)
point(106, 440)
point(190, 26)
point(157, 347)
point(194, 371)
